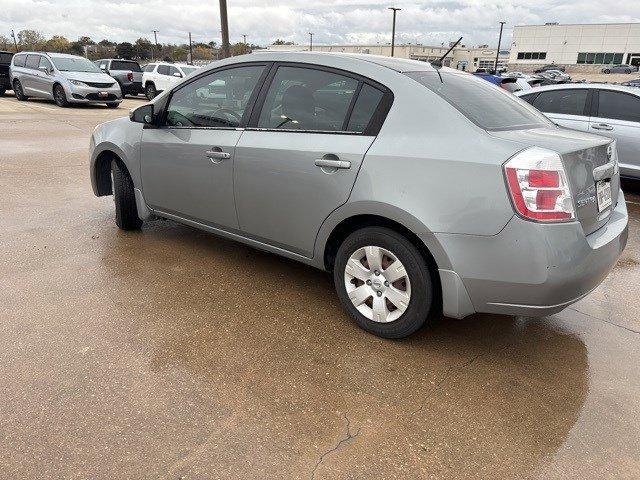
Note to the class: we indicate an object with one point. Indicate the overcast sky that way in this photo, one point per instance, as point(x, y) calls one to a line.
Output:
point(331, 21)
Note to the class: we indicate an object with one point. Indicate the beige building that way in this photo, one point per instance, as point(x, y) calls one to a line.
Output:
point(578, 47)
point(462, 57)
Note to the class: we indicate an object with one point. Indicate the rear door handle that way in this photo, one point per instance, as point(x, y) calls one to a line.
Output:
point(328, 163)
point(602, 126)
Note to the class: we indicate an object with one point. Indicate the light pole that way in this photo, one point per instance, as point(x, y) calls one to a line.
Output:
point(224, 25)
point(190, 50)
point(15, 42)
point(155, 38)
point(495, 69)
point(393, 30)
point(244, 39)
point(310, 41)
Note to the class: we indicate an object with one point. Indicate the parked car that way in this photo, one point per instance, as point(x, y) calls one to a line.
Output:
point(127, 73)
point(157, 77)
point(414, 186)
point(553, 78)
point(551, 66)
point(5, 63)
point(619, 69)
point(605, 109)
point(515, 74)
point(66, 79)
point(632, 83)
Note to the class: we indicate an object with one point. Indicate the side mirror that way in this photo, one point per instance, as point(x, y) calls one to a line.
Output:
point(45, 70)
point(103, 67)
point(177, 74)
point(142, 114)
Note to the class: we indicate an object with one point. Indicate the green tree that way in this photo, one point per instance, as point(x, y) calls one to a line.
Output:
point(282, 42)
point(179, 54)
point(143, 49)
point(125, 50)
point(57, 43)
point(30, 39)
point(239, 48)
point(76, 48)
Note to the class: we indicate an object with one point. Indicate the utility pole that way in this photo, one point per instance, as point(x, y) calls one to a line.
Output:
point(15, 42)
point(190, 50)
point(495, 69)
point(393, 30)
point(224, 25)
point(244, 39)
point(310, 41)
point(155, 38)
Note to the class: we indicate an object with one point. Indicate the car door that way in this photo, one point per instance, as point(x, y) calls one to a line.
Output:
point(187, 160)
point(568, 107)
point(31, 84)
point(299, 158)
point(174, 76)
point(616, 114)
point(46, 79)
point(160, 77)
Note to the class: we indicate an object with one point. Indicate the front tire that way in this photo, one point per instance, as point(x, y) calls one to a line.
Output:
point(124, 198)
point(60, 96)
point(112, 105)
point(383, 281)
point(150, 91)
point(18, 91)
point(607, 71)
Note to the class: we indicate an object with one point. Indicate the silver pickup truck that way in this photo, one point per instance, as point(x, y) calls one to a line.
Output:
point(127, 73)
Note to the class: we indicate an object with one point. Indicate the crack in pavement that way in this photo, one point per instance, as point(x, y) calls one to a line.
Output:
point(348, 437)
point(609, 322)
point(446, 376)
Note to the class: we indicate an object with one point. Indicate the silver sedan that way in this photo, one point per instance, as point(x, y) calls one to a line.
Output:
point(416, 186)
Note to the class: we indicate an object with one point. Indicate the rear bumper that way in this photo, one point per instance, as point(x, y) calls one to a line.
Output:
point(530, 268)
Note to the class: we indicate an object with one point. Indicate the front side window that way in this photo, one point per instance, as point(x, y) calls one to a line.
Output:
point(215, 100)
point(75, 64)
point(307, 99)
point(44, 63)
point(618, 106)
point(33, 61)
point(125, 65)
point(565, 102)
point(173, 70)
point(486, 105)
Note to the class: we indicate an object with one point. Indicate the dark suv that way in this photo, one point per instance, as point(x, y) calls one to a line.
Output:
point(5, 62)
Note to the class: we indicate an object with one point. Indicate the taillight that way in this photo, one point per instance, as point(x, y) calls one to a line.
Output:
point(130, 76)
point(538, 186)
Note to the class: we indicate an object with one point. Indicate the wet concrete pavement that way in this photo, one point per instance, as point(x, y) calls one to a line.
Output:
point(170, 353)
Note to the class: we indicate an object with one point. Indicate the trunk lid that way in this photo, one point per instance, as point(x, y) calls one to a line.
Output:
point(587, 159)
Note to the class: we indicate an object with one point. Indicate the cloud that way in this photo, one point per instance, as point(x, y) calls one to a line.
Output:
point(331, 21)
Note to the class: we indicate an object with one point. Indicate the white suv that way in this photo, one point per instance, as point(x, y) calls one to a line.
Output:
point(157, 77)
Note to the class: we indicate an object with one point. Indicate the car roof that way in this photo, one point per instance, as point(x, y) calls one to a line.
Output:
point(394, 63)
point(573, 86)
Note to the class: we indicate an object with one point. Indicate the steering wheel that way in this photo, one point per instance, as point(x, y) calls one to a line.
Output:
point(179, 120)
point(229, 113)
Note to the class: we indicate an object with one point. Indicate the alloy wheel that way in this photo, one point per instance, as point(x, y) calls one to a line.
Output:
point(377, 284)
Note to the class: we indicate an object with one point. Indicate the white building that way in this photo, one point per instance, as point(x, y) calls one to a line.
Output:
point(578, 47)
point(462, 57)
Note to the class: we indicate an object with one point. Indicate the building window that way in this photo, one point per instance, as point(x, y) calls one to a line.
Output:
point(532, 55)
point(592, 58)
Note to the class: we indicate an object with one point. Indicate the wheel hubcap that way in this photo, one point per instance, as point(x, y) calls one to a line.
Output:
point(377, 284)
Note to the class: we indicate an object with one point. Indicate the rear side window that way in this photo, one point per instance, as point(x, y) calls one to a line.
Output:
point(366, 105)
point(565, 102)
point(307, 99)
point(163, 69)
point(618, 106)
point(122, 65)
point(486, 105)
point(19, 60)
point(529, 97)
point(33, 61)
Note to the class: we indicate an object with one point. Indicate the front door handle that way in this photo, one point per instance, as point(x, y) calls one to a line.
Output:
point(602, 126)
point(217, 155)
point(328, 163)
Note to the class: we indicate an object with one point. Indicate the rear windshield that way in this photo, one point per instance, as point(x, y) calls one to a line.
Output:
point(122, 65)
point(5, 57)
point(486, 105)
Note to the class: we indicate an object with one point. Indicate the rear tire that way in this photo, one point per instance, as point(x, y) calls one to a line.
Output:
point(150, 91)
point(415, 282)
point(18, 91)
point(60, 96)
point(113, 105)
point(606, 70)
point(124, 198)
